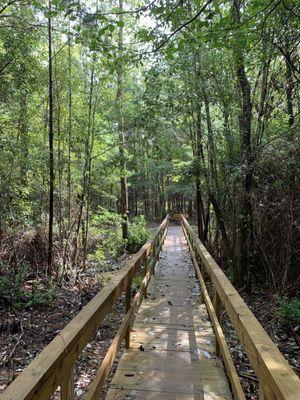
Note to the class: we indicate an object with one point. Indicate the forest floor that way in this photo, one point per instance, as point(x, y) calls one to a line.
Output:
point(24, 334)
point(287, 338)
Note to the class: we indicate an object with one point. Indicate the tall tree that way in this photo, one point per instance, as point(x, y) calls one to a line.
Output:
point(121, 130)
point(51, 145)
point(245, 224)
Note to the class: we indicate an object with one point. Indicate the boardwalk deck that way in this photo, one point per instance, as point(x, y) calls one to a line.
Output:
point(172, 349)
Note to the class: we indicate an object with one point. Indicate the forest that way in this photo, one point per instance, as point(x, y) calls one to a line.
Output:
point(117, 113)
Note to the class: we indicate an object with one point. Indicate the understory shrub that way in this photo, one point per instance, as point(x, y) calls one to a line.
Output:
point(138, 234)
point(108, 227)
point(18, 293)
point(288, 311)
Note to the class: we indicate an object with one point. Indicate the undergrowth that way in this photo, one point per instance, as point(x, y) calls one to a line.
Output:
point(18, 293)
point(288, 311)
point(108, 227)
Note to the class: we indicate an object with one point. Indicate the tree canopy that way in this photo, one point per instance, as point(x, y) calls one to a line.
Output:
point(143, 108)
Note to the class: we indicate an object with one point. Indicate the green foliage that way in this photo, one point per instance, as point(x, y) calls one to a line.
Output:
point(138, 234)
point(136, 282)
point(107, 218)
point(38, 296)
point(98, 255)
point(18, 293)
point(288, 311)
point(181, 112)
point(106, 225)
point(113, 245)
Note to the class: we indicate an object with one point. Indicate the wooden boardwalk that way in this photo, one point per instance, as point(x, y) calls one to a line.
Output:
point(172, 347)
point(172, 352)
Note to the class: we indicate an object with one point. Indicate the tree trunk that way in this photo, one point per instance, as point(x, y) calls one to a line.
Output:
point(59, 155)
point(199, 161)
point(245, 223)
point(69, 125)
point(51, 149)
point(119, 106)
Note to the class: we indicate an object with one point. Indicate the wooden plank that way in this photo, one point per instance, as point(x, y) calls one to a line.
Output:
point(99, 380)
point(265, 393)
point(175, 340)
point(127, 308)
point(266, 360)
point(172, 361)
point(122, 394)
point(170, 381)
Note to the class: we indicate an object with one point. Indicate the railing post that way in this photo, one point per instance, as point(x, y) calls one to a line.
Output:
point(217, 307)
point(264, 392)
point(67, 386)
point(145, 273)
point(194, 248)
point(127, 307)
point(153, 257)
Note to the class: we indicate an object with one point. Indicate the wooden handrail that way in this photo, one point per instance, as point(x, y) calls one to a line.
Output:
point(277, 380)
point(54, 366)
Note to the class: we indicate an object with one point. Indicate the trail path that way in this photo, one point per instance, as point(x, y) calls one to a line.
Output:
point(172, 349)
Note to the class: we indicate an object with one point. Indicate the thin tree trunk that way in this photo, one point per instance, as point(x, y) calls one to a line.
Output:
point(119, 105)
point(245, 225)
point(85, 177)
point(59, 155)
point(69, 125)
point(92, 111)
point(199, 160)
point(289, 90)
point(51, 148)
point(226, 241)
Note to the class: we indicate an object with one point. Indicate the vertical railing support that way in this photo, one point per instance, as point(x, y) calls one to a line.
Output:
point(218, 307)
point(264, 392)
point(67, 386)
point(145, 273)
point(127, 307)
point(153, 257)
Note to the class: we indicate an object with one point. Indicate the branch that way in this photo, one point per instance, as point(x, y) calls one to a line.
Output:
point(183, 25)
point(10, 3)
point(6, 65)
point(135, 11)
point(287, 57)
